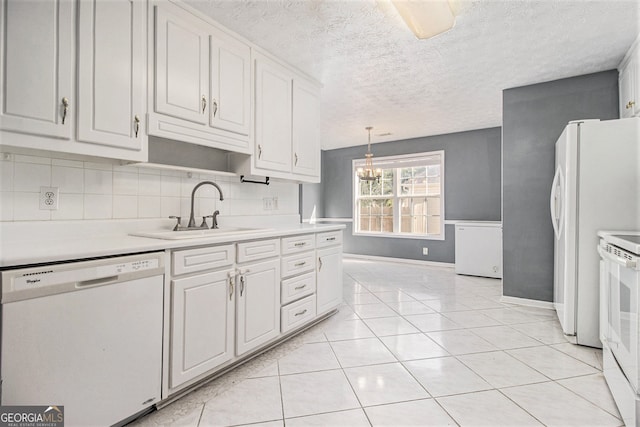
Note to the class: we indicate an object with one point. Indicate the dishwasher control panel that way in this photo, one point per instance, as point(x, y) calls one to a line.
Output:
point(58, 278)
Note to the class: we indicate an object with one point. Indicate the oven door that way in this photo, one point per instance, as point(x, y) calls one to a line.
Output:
point(622, 334)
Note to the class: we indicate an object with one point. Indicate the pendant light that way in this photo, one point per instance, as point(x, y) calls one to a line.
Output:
point(368, 173)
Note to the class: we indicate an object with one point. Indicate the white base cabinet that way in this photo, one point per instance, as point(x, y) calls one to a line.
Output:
point(258, 297)
point(329, 277)
point(202, 328)
point(226, 301)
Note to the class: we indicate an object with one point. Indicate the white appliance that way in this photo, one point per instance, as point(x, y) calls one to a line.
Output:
point(595, 186)
point(84, 335)
point(619, 321)
point(479, 248)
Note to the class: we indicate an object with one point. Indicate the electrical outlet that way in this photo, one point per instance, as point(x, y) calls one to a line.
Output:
point(267, 203)
point(425, 251)
point(275, 203)
point(49, 198)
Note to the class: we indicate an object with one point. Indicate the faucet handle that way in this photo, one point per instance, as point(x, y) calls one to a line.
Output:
point(204, 221)
point(178, 222)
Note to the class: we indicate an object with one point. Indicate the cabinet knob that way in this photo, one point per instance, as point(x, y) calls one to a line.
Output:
point(65, 108)
point(295, 161)
point(204, 103)
point(259, 150)
point(214, 107)
point(629, 105)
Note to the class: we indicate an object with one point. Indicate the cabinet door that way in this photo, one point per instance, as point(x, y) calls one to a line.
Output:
point(273, 116)
point(36, 39)
point(306, 130)
point(230, 84)
point(182, 64)
point(258, 295)
point(329, 279)
point(202, 324)
point(111, 73)
point(626, 83)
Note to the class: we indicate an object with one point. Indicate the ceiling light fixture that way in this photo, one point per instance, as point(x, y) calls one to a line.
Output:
point(369, 173)
point(427, 18)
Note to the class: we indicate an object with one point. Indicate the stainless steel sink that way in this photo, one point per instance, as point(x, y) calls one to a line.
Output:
point(196, 234)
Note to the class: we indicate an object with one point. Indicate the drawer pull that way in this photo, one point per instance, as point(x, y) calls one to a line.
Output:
point(300, 264)
point(319, 263)
point(300, 313)
point(300, 287)
point(300, 244)
point(330, 239)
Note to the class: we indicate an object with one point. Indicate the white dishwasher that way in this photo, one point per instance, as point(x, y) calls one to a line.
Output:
point(85, 335)
point(479, 248)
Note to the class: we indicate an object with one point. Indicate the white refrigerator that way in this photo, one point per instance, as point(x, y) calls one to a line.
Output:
point(596, 186)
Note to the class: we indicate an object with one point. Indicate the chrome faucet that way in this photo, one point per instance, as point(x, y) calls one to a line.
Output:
point(192, 219)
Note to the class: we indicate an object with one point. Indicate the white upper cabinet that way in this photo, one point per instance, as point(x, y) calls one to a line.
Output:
point(200, 87)
point(306, 129)
point(111, 73)
point(230, 84)
point(36, 39)
point(273, 116)
point(181, 64)
point(629, 82)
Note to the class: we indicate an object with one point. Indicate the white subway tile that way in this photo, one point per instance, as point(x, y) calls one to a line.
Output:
point(125, 183)
point(30, 177)
point(26, 207)
point(170, 206)
point(6, 206)
point(98, 166)
point(149, 185)
point(125, 206)
point(70, 206)
point(32, 159)
point(185, 208)
point(67, 179)
point(98, 181)
point(125, 168)
point(170, 186)
point(149, 207)
point(6, 176)
point(207, 206)
point(67, 163)
point(187, 185)
point(98, 206)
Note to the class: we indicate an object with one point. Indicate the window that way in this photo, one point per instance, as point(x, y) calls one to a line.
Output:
point(407, 201)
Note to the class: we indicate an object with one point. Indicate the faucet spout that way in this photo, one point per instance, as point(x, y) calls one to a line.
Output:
point(192, 219)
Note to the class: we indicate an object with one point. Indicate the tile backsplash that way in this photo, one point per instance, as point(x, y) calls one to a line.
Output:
point(104, 191)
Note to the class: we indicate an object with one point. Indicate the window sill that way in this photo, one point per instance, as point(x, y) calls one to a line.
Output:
point(400, 236)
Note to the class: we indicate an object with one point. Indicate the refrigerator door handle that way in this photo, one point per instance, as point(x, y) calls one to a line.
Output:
point(560, 200)
point(553, 203)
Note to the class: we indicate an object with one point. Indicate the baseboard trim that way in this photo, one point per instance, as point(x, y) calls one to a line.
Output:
point(529, 302)
point(400, 260)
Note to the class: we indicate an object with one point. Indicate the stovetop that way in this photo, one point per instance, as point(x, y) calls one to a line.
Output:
point(628, 241)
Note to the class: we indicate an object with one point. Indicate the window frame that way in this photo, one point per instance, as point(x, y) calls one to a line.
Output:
point(396, 197)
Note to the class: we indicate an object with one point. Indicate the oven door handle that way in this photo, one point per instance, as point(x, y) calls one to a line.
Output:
point(627, 263)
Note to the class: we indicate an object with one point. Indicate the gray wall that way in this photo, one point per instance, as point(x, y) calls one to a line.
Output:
point(472, 189)
point(533, 118)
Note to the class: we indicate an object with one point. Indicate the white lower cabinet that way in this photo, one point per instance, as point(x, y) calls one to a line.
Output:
point(226, 301)
point(258, 319)
point(202, 327)
point(329, 279)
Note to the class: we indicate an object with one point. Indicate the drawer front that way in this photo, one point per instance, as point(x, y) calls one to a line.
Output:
point(297, 264)
point(329, 239)
point(297, 313)
point(261, 249)
point(201, 259)
point(297, 287)
point(295, 244)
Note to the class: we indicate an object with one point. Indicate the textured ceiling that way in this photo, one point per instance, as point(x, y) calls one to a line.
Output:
point(376, 73)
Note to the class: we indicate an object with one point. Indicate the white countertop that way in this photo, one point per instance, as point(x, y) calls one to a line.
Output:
point(43, 242)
